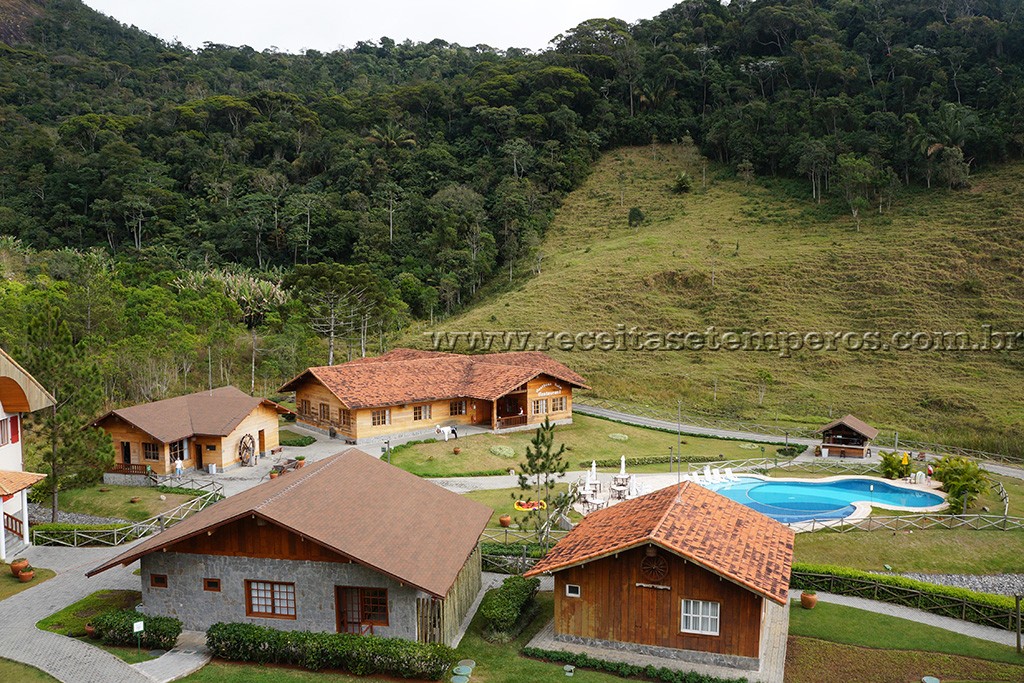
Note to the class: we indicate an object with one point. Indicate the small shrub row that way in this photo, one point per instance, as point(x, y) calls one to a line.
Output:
point(513, 549)
point(790, 451)
point(181, 491)
point(624, 670)
point(651, 460)
point(297, 441)
point(502, 607)
point(846, 581)
point(356, 654)
point(59, 533)
point(117, 627)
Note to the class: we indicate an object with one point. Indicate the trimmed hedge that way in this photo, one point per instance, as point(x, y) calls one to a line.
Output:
point(65, 533)
point(513, 549)
point(195, 493)
point(298, 441)
point(624, 670)
point(356, 654)
point(651, 460)
point(116, 627)
point(846, 581)
point(501, 608)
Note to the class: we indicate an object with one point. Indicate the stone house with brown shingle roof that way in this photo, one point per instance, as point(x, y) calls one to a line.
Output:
point(347, 544)
point(219, 427)
point(407, 392)
point(681, 573)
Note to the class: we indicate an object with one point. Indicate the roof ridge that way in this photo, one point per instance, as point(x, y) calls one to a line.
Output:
point(668, 509)
point(297, 481)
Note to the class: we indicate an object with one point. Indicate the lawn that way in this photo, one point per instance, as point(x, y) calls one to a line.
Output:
point(71, 620)
point(501, 501)
point(936, 551)
point(585, 440)
point(12, 585)
point(23, 673)
point(115, 501)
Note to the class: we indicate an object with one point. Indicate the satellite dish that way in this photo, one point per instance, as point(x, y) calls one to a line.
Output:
point(246, 449)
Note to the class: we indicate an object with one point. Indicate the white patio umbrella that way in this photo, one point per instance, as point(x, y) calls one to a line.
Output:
point(593, 470)
point(622, 467)
point(633, 491)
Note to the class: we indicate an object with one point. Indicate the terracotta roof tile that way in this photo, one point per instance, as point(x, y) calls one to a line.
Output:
point(207, 413)
point(855, 424)
point(410, 376)
point(693, 522)
point(13, 482)
point(401, 525)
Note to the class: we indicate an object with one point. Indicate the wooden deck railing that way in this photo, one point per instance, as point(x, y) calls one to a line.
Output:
point(128, 468)
point(14, 525)
point(512, 421)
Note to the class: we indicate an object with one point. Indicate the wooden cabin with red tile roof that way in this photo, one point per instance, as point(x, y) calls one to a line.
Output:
point(682, 573)
point(20, 393)
point(301, 552)
point(223, 427)
point(847, 437)
point(407, 392)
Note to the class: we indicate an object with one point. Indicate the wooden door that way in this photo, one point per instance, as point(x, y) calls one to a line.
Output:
point(348, 608)
point(199, 456)
point(126, 452)
point(263, 443)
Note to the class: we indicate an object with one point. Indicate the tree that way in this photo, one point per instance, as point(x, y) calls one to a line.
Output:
point(333, 298)
point(538, 475)
point(962, 479)
point(636, 217)
point(855, 175)
point(764, 380)
point(73, 456)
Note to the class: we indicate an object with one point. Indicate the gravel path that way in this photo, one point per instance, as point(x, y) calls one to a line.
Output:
point(1003, 584)
point(37, 514)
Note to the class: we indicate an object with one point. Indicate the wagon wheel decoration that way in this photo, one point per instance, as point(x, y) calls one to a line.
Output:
point(246, 449)
point(654, 568)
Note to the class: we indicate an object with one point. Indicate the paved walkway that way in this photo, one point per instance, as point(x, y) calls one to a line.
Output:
point(966, 628)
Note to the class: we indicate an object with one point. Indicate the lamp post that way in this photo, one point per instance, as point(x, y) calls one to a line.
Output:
point(386, 449)
point(670, 459)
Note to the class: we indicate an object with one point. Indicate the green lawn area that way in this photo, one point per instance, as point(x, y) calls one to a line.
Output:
point(11, 585)
point(585, 440)
point(936, 551)
point(72, 619)
point(501, 501)
point(23, 673)
point(115, 501)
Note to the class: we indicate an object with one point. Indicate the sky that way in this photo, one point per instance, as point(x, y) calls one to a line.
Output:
point(326, 25)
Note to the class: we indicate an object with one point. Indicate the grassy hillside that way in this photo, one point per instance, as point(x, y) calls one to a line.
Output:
point(761, 256)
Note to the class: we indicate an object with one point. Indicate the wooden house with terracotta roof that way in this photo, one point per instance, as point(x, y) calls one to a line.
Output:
point(847, 437)
point(682, 573)
point(20, 393)
point(407, 391)
point(302, 552)
point(222, 427)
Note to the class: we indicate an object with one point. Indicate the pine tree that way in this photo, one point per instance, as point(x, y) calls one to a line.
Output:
point(74, 456)
point(539, 475)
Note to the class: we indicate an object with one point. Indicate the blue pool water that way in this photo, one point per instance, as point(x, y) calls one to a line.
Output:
point(802, 501)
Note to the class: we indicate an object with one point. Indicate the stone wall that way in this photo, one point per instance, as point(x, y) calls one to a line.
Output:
point(712, 658)
point(185, 599)
point(118, 479)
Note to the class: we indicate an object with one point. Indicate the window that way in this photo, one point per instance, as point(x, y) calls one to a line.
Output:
point(375, 606)
point(158, 580)
point(381, 417)
point(572, 590)
point(211, 446)
point(178, 450)
point(151, 451)
point(304, 407)
point(558, 404)
point(212, 585)
point(270, 599)
point(361, 607)
point(325, 412)
point(345, 417)
point(421, 413)
point(700, 617)
point(540, 406)
point(457, 408)
point(5, 432)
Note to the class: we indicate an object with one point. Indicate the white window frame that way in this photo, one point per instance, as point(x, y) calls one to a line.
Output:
point(386, 417)
point(700, 616)
point(457, 407)
point(540, 406)
point(569, 593)
point(558, 404)
point(424, 412)
point(5, 431)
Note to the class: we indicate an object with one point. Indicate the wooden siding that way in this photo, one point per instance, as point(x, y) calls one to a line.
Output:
point(263, 417)
point(545, 387)
point(248, 538)
point(123, 432)
point(612, 606)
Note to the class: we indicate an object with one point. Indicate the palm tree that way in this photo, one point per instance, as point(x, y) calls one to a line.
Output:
point(391, 136)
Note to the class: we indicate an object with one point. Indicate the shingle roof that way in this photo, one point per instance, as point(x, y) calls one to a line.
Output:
point(12, 482)
point(401, 525)
point(409, 376)
point(206, 413)
point(693, 522)
point(862, 428)
point(27, 394)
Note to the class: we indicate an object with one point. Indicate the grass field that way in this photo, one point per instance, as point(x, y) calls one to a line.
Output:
point(11, 585)
point(763, 257)
point(586, 439)
point(501, 501)
point(115, 501)
point(23, 673)
point(71, 620)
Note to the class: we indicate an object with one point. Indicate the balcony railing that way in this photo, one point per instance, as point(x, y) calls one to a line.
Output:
point(14, 525)
point(126, 468)
point(512, 421)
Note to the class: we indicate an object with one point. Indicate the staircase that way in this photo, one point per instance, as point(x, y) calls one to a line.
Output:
point(15, 545)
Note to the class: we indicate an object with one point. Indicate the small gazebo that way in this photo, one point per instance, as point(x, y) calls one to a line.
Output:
point(847, 437)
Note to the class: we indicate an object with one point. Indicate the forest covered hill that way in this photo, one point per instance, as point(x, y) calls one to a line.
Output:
point(144, 185)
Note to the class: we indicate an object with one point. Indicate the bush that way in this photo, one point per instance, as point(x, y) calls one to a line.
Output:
point(892, 465)
point(683, 183)
point(790, 451)
point(962, 478)
point(356, 654)
point(183, 491)
point(60, 533)
point(624, 670)
point(116, 627)
point(297, 441)
point(503, 451)
point(502, 607)
point(650, 460)
point(636, 217)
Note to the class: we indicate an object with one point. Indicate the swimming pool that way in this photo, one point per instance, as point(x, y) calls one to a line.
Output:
point(802, 501)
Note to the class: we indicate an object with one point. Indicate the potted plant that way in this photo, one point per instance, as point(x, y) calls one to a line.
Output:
point(27, 574)
point(17, 565)
point(505, 521)
point(300, 461)
point(456, 450)
point(274, 474)
point(808, 599)
point(90, 631)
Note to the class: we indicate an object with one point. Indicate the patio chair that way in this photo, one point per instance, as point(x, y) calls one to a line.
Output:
point(707, 473)
point(716, 476)
point(729, 476)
